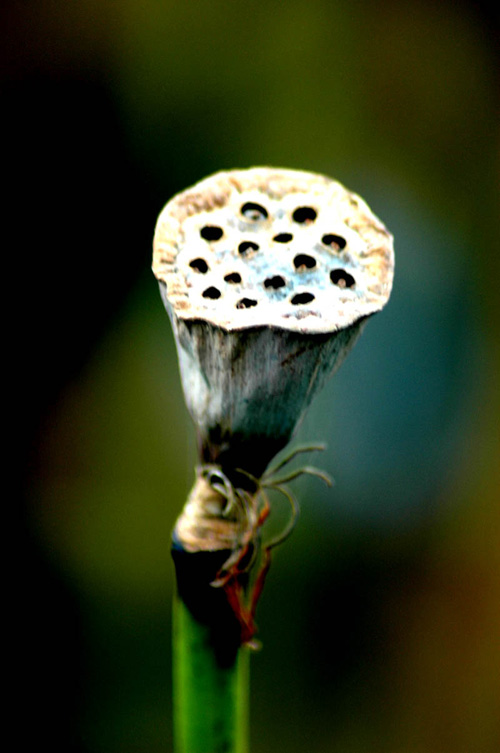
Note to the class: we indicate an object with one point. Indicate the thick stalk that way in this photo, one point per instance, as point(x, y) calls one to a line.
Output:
point(211, 672)
point(210, 696)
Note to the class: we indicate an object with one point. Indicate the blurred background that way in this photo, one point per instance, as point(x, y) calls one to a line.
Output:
point(380, 618)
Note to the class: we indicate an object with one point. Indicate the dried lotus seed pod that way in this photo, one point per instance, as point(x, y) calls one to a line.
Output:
point(268, 276)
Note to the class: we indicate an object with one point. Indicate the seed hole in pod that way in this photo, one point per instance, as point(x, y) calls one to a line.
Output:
point(199, 265)
point(211, 293)
point(233, 277)
point(336, 241)
point(246, 303)
point(304, 261)
point(301, 298)
point(247, 246)
point(275, 282)
point(211, 233)
point(304, 215)
point(342, 278)
point(283, 238)
point(253, 211)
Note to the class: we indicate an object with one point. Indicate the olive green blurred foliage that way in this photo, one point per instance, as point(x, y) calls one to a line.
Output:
point(380, 616)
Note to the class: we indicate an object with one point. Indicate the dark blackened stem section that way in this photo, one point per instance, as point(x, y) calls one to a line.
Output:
point(211, 672)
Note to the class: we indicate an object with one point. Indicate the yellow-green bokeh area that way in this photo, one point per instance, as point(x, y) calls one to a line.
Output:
point(379, 619)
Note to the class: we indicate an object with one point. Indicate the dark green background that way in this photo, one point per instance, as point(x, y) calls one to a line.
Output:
point(380, 618)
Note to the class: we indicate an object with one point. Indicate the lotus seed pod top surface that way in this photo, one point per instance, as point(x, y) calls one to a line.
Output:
point(272, 247)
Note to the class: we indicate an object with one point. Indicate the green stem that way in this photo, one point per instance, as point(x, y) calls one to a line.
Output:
point(210, 690)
